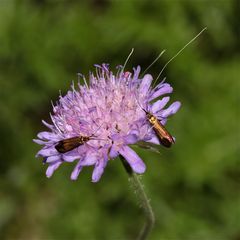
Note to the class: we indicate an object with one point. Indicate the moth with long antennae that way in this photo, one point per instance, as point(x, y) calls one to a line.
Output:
point(165, 138)
point(69, 144)
point(163, 135)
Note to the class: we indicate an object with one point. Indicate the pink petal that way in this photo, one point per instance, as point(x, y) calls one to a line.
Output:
point(136, 72)
point(145, 84)
point(48, 136)
point(52, 159)
point(76, 171)
point(71, 156)
point(46, 152)
point(89, 160)
point(130, 139)
point(172, 109)
point(99, 169)
point(48, 125)
point(52, 167)
point(133, 159)
point(165, 88)
point(113, 152)
point(154, 140)
point(160, 104)
point(40, 142)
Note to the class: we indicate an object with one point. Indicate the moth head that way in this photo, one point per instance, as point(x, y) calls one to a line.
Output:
point(151, 118)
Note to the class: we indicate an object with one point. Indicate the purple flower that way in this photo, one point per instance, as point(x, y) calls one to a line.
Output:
point(110, 112)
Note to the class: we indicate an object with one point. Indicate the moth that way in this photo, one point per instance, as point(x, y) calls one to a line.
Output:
point(165, 138)
point(163, 135)
point(69, 144)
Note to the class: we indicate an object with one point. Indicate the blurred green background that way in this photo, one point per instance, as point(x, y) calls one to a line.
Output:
point(194, 186)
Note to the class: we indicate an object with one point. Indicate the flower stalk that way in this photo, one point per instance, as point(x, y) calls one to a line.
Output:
point(143, 200)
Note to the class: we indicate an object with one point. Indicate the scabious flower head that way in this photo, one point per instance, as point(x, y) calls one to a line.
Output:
point(110, 110)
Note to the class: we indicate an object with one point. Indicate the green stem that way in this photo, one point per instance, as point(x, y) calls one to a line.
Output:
point(143, 199)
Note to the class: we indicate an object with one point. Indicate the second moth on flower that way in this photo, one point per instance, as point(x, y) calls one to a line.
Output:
point(109, 108)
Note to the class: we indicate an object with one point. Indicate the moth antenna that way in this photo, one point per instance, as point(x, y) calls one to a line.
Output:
point(139, 103)
point(96, 130)
point(155, 60)
point(102, 139)
point(130, 54)
point(193, 39)
point(55, 124)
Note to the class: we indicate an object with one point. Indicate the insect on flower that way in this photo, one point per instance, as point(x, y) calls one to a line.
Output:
point(106, 103)
point(164, 136)
point(162, 133)
point(69, 144)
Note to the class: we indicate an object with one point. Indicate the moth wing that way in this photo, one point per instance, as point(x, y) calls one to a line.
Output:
point(67, 145)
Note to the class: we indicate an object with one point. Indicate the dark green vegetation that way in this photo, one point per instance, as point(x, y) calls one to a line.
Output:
point(194, 186)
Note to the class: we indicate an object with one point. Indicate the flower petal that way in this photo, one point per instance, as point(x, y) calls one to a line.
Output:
point(48, 136)
point(154, 140)
point(52, 167)
point(52, 159)
point(45, 152)
point(76, 171)
point(163, 121)
point(163, 89)
point(89, 159)
point(145, 84)
point(113, 152)
point(99, 169)
point(40, 142)
point(136, 72)
point(71, 156)
point(172, 109)
point(133, 159)
point(160, 104)
point(48, 125)
point(131, 139)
